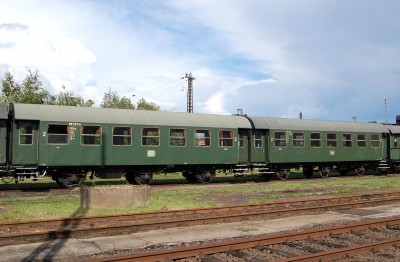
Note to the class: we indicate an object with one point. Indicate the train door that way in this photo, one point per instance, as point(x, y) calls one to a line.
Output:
point(395, 147)
point(244, 150)
point(258, 146)
point(25, 139)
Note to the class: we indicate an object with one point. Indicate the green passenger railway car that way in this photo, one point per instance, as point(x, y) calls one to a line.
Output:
point(281, 144)
point(69, 143)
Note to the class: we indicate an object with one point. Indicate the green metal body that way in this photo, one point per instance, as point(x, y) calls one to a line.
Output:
point(285, 153)
point(251, 140)
point(106, 155)
point(323, 154)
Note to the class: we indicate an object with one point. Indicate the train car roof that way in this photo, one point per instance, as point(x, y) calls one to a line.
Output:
point(316, 125)
point(394, 129)
point(53, 113)
point(3, 111)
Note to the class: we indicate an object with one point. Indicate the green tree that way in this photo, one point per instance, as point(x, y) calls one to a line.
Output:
point(142, 104)
point(88, 103)
point(69, 99)
point(112, 100)
point(32, 90)
point(11, 91)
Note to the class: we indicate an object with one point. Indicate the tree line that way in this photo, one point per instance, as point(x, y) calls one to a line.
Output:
point(32, 91)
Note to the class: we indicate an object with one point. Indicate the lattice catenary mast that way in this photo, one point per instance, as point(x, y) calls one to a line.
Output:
point(190, 92)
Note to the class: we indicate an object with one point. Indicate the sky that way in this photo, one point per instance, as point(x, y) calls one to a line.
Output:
point(330, 60)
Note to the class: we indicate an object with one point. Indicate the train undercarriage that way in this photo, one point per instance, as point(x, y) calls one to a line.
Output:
point(70, 177)
point(282, 171)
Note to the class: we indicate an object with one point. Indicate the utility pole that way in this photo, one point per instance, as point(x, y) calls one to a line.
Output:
point(385, 101)
point(190, 92)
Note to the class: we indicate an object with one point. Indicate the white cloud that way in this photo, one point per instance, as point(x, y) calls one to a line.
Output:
point(266, 57)
point(216, 104)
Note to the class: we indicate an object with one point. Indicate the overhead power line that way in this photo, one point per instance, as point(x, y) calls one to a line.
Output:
point(159, 89)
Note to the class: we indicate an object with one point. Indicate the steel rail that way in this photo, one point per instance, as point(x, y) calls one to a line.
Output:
point(258, 242)
point(10, 239)
point(66, 222)
point(345, 252)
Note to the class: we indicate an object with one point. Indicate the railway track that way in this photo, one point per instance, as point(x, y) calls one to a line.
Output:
point(324, 244)
point(85, 227)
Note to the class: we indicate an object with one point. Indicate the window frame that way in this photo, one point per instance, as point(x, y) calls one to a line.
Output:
point(281, 141)
point(315, 140)
point(298, 142)
point(362, 141)
point(145, 137)
point(224, 141)
point(129, 136)
point(260, 139)
point(197, 140)
point(373, 141)
point(241, 140)
point(346, 140)
point(177, 138)
point(48, 134)
point(331, 140)
point(31, 135)
point(92, 135)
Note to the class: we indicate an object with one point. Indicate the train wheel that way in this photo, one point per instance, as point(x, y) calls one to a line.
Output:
point(70, 180)
point(204, 176)
point(308, 171)
point(323, 172)
point(283, 174)
point(139, 179)
point(7, 178)
point(199, 176)
point(360, 171)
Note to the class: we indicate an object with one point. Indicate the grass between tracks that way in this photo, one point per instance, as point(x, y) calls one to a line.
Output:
point(196, 196)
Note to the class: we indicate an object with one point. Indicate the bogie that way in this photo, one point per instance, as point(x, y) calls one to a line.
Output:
point(139, 178)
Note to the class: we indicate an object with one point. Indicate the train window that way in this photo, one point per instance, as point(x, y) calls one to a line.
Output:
point(315, 139)
point(347, 140)
point(241, 140)
point(258, 139)
point(202, 137)
point(298, 139)
point(361, 141)
point(331, 140)
point(375, 141)
point(91, 135)
point(26, 135)
point(177, 137)
point(225, 138)
point(57, 134)
point(151, 136)
point(280, 139)
point(122, 136)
